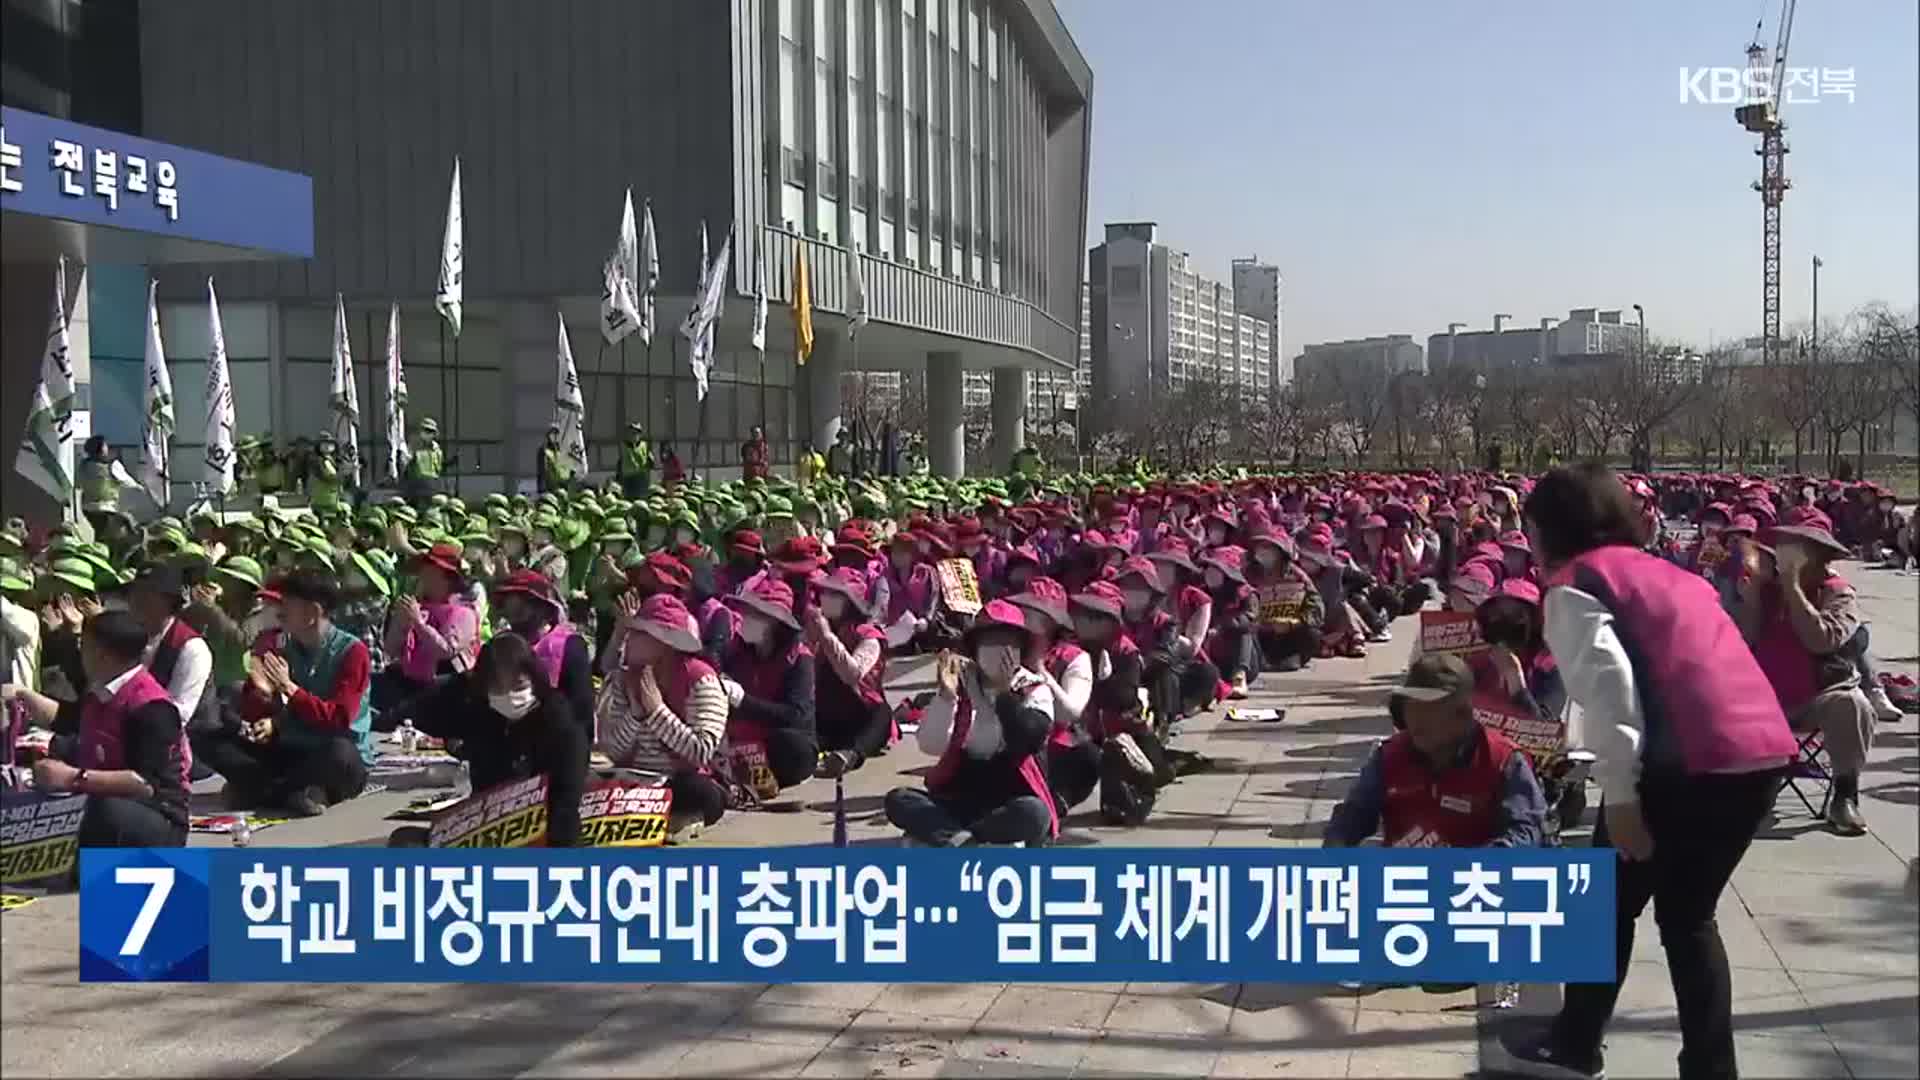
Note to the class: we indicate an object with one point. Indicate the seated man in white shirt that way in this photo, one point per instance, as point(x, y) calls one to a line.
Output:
point(176, 654)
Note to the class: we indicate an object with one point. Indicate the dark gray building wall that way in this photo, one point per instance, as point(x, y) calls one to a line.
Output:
point(553, 109)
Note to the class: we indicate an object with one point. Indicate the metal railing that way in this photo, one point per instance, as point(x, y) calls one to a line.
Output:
point(916, 299)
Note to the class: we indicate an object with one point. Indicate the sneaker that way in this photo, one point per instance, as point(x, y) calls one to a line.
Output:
point(1382, 635)
point(1239, 690)
point(835, 764)
point(1130, 752)
point(1541, 1058)
point(1843, 815)
point(685, 831)
point(1883, 706)
point(307, 802)
point(1288, 666)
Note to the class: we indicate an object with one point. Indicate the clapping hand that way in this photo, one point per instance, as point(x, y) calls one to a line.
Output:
point(1512, 675)
point(88, 608)
point(205, 595)
point(628, 605)
point(273, 667)
point(409, 608)
point(70, 614)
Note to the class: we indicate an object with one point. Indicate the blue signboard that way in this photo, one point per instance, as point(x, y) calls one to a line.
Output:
point(59, 169)
point(830, 915)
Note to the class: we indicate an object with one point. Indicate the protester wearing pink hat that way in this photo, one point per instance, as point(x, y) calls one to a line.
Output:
point(1073, 760)
point(770, 680)
point(1133, 763)
point(666, 710)
point(1289, 613)
point(851, 717)
point(986, 727)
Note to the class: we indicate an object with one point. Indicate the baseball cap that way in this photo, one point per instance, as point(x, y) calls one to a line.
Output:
point(1440, 677)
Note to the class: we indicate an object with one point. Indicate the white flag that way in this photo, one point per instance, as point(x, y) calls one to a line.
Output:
point(760, 304)
point(699, 323)
point(447, 295)
point(45, 455)
point(649, 284)
point(619, 308)
point(219, 476)
point(856, 295)
point(396, 399)
point(156, 474)
point(569, 410)
point(346, 399)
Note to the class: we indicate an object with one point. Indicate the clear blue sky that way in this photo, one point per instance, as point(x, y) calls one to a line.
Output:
point(1408, 163)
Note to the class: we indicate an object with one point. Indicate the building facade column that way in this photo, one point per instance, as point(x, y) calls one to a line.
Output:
point(821, 385)
point(1009, 416)
point(946, 415)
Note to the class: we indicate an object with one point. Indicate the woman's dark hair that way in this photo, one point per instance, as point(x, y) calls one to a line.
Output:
point(118, 634)
point(505, 657)
point(312, 586)
point(96, 445)
point(1577, 508)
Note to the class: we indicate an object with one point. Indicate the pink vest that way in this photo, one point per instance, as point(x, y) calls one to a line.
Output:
point(1786, 662)
point(418, 662)
point(1708, 707)
point(551, 651)
point(103, 726)
point(761, 679)
point(1031, 773)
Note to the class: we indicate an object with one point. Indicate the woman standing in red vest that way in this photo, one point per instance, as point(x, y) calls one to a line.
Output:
point(1690, 743)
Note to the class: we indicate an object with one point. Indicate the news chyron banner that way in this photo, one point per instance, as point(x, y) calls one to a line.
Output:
point(838, 914)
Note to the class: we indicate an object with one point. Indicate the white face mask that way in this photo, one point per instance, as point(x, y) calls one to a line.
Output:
point(1215, 578)
point(1267, 557)
point(833, 606)
point(682, 536)
point(1216, 536)
point(542, 539)
point(513, 546)
point(513, 704)
point(1137, 599)
point(755, 630)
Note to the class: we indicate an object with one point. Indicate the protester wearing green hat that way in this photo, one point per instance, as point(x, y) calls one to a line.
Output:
point(227, 612)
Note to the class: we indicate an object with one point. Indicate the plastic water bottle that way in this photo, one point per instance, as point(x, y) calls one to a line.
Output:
point(409, 736)
point(242, 834)
point(462, 780)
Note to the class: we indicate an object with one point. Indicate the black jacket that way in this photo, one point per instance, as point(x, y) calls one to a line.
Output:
point(547, 741)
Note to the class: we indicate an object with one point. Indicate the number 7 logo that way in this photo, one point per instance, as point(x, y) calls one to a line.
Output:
point(159, 882)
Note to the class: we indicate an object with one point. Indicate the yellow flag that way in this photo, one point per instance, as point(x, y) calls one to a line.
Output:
point(802, 305)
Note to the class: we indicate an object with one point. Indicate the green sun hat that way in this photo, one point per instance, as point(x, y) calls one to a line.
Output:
point(777, 506)
point(477, 539)
point(380, 579)
point(14, 577)
point(616, 531)
point(572, 534)
point(685, 519)
point(244, 569)
point(323, 553)
point(248, 523)
point(498, 501)
point(10, 544)
point(546, 519)
point(404, 514)
point(77, 573)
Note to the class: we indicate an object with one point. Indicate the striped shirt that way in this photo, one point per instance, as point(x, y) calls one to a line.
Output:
point(662, 740)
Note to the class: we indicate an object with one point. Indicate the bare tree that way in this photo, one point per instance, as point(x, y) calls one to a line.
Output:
point(1517, 399)
point(1638, 396)
point(1362, 403)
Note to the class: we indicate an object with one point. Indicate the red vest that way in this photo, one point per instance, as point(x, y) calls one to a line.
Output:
point(1708, 706)
point(761, 678)
point(102, 745)
point(1103, 722)
point(551, 651)
point(1459, 807)
point(1059, 657)
point(1032, 776)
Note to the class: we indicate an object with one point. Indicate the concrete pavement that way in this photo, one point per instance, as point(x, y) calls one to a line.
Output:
point(1821, 930)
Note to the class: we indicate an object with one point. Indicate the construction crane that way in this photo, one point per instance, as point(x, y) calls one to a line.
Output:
point(1762, 117)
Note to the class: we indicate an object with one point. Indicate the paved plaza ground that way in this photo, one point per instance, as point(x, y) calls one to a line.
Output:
point(1821, 930)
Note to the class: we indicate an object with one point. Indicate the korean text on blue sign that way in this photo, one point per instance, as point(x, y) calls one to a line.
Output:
point(56, 168)
point(828, 915)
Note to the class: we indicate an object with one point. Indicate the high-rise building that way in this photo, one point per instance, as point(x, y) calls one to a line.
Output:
point(1157, 323)
point(1584, 334)
point(1256, 288)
